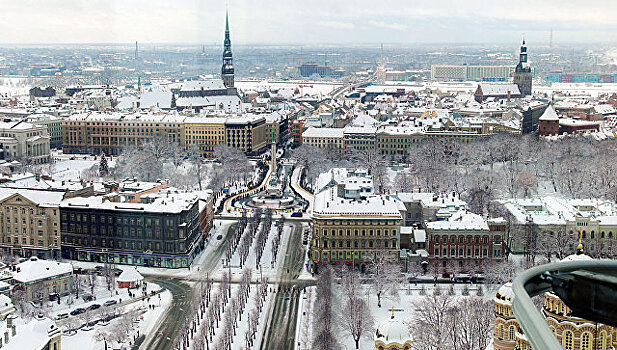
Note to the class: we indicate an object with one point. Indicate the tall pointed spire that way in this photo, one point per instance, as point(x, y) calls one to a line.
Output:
point(227, 70)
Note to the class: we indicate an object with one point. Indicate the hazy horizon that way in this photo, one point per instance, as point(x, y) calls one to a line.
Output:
point(343, 22)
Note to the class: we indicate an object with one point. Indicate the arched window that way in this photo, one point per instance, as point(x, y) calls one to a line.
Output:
point(586, 340)
point(512, 333)
point(500, 331)
point(567, 341)
point(602, 341)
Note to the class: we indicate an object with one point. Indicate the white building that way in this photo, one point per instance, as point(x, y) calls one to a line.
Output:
point(594, 219)
point(25, 142)
point(41, 278)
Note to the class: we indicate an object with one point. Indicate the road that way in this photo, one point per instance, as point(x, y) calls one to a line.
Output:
point(182, 290)
point(280, 329)
point(171, 323)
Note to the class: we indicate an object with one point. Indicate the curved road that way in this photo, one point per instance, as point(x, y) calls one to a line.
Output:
point(171, 324)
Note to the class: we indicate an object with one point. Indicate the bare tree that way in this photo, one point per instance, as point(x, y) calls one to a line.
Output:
point(357, 319)
point(430, 322)
point(387, 276)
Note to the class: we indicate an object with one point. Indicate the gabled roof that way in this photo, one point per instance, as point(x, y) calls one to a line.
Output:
point(549, 114)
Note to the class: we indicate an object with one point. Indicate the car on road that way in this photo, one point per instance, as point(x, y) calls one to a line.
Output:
point(110, 302)
point(297, 214)
point(94, 306)
point(78, 311)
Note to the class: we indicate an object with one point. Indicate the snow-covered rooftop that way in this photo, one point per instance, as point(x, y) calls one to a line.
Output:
point(35, 269)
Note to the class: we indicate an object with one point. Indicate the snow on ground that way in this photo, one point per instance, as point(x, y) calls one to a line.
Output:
point(84, 339)
point(402, 305)
point(101, 295)
point(14, 86)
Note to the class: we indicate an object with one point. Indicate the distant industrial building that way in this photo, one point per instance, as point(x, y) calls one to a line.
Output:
point(310, 69)
point(564, 77)
point(470, 73)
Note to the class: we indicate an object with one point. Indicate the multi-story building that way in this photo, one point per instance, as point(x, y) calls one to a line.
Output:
point(96, 133)
point(39, 332)
point(25, 142)
point(327, 138)
point(30, 222)
point(247, 133)
point(465, 242)
point(351, 225)
point(395, 141)
point(470, 73)
point(162, 230)
point(594, 220)
point(297, 128)
point(53, 125)
point(204, 134)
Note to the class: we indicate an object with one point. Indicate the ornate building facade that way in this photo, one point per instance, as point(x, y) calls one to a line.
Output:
point(573, 333)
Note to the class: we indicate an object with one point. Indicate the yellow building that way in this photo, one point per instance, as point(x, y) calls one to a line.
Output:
point(204, 134)
point(573, 333)
point(352, 231)
point(30, 222)
point(96, 133)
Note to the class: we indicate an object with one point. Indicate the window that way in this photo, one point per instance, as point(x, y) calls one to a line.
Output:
point(586, 341)
point(602, 341)
point(567, 341)
point(512, 333)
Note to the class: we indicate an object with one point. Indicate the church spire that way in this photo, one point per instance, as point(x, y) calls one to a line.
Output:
point(227, 70)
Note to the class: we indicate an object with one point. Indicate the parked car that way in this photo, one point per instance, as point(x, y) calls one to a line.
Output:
point(88, 297)
point(78, 311)
point(94, 306)
point(110, 302)
point(62, 316)
point(297, 214)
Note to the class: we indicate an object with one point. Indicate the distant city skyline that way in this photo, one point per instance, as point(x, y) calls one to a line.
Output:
point(308, 22)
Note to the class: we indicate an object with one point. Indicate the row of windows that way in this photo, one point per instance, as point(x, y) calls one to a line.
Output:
point(124, 244)
point(24, 241)
point(24, 211)
point(461, 239)
point(357, 244)
point(357, 232)
point(461, 252)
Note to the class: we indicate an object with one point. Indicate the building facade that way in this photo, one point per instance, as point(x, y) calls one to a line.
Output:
point(40, 279)
point(161, 231)
point(465, 242)
point(470, 73)
point(247, 133)
point(23, 141)
point(204, 134)
point(96, 133)
point(352, 231)
point(30, 222)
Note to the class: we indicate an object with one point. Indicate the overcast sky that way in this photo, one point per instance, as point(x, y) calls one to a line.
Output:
point(307, 21)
